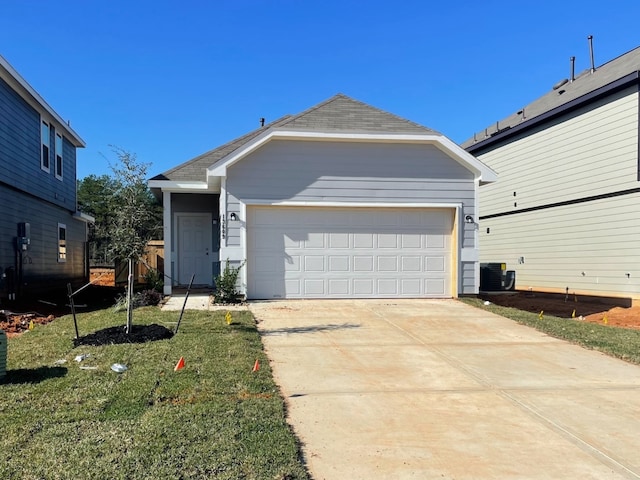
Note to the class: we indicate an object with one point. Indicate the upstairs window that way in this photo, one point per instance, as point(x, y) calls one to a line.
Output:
point(62, 242)
point(59, 162)
point(45, 137)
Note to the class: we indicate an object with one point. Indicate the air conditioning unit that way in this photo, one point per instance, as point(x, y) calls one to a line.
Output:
point(494, 277)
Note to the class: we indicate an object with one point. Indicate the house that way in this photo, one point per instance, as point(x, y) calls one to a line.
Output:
point(42, 236)
point(565, 213)
point(342, 200)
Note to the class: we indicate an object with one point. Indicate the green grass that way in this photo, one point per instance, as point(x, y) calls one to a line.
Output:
point(213, 419)
point(618, 342)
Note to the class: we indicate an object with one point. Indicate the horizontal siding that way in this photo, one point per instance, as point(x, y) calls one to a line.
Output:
point(41, 267)
point(468, 284)
point(589, 152)
point(20, 149)
point(352, 172)
point(600, 238)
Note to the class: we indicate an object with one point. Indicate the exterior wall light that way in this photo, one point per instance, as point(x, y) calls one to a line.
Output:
point(468, 219)
point(233, 216)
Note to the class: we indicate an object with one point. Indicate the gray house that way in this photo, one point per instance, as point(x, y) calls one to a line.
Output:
point(42, 236)
point(340, 201)
point(564, 214)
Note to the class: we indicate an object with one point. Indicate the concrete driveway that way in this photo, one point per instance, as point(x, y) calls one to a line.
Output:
point(437, 389)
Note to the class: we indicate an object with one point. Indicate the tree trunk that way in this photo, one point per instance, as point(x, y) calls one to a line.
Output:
point(130, 297)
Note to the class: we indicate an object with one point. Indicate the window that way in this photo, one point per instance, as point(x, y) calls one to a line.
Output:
point(45, 137)
point(62, 242)
point(58, 171)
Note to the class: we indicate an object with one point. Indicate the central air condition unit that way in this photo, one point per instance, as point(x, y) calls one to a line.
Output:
point(494, 277)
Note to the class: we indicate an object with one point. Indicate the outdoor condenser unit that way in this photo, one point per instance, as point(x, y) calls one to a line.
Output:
point(494, 277)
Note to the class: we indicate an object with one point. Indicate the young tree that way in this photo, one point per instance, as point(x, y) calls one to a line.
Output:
point(133, 223)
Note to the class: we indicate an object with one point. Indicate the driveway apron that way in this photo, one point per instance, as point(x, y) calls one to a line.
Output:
point(438, 389)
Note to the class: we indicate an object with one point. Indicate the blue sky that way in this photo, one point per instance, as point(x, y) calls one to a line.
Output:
point(170, 80)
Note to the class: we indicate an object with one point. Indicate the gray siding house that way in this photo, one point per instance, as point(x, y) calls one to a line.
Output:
point(42, 236)
point(340, 201)
point(564, 214)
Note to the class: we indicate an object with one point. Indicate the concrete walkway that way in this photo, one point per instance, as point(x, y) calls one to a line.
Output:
point(198, 300)
point(437, 389)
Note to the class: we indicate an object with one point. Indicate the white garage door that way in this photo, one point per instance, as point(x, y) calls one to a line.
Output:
point(309, 252)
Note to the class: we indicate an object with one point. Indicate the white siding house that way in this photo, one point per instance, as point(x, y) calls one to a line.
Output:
point(564, 214)
point(343, 200)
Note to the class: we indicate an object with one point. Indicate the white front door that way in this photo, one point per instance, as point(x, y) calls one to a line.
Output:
point(195, 256)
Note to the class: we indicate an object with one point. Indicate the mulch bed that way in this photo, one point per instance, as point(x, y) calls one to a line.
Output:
point(117, 335)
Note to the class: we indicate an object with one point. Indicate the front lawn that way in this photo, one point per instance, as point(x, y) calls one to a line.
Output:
point(62, 419)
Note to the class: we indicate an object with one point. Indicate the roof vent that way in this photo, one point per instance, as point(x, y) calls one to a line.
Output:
point(593, 65)
point(262, 122)
point(560, 83)
point(573, 68)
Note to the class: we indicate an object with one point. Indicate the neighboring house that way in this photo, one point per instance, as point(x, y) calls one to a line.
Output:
point(342, 200)
point(565, 214)
point(42, 236)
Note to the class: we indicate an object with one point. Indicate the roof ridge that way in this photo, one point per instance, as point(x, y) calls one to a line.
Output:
point(316, 107)
point(339, 96)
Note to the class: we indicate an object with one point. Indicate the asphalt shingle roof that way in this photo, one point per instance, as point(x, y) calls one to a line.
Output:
point(585, 83)
point(340, 113)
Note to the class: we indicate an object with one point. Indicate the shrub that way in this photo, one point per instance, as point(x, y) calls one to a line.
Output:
point(139, 299)
point(154, 279)
point(226, 284)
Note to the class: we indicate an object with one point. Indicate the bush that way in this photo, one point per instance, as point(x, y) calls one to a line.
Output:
point(154, 279)
point(140, 299)
point(226, 284)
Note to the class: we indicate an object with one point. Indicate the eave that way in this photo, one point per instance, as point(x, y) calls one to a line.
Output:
point(617, 85)
point(33, 98)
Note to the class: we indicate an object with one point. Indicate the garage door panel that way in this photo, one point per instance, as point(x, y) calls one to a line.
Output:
point(339, 263)
point(292, 263)
point(387, 263)
point(338, 240)
point(388, 287)
point(315, 240)
point(363, 240)
point(314, 252)
point(411, 263)
point(411, 286)
point(362, 286)
point(314, 263)
point(314, 287)
point(292, 288)
point(363, 264)
point(435, 241)
point(387, 240)
point(411, 241)
point(434, 264)
point(434, 286)
point(339, 287)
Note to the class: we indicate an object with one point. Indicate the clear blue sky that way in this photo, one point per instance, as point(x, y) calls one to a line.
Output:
point(169, 80)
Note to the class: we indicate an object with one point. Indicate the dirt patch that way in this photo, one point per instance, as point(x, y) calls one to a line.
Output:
point(117, 335)
point(17, 316)
point(15, 323)
point(588, 309)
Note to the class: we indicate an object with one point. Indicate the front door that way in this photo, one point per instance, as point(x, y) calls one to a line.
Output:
point(195, 256)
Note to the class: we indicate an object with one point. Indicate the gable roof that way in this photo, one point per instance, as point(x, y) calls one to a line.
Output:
point(339, 117)
point(33, 98)
point(340, 113)
point(566, 95)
